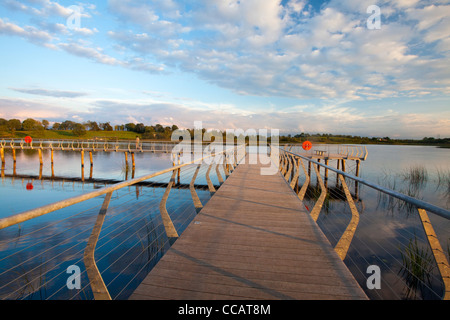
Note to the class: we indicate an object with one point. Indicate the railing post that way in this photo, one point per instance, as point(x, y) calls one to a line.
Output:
point(438, 253)
point(41, 162)
point(179, 170)
point(344, 242)
point(219, 176)
point(287, 175)
point(302, 192)
point(197, 203)
point(318, 206)
point(295, 177)
point(167, 221)
point(358, 163)
point(96, 281)
point(212, 190)
point(90, 158)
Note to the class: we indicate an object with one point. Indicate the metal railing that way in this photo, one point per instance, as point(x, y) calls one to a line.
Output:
point(289, 166)
point(353, 151)
point(226, 159)
point(88, 145)
point(332, 150)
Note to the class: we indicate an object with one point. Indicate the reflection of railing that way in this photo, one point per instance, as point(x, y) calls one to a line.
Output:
point(232, 154)
point(289, 167)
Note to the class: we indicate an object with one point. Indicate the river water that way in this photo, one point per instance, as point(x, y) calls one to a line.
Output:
point(37, 253)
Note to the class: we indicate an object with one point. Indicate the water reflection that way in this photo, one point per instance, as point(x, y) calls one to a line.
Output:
point(417, 267)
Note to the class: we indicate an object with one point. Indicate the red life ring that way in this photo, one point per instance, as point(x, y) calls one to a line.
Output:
point(306, 145)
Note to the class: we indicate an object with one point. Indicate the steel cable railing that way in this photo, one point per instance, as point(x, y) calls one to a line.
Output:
point(68, 239)
point(181, 207)
point(407, 259)
point(110, 236)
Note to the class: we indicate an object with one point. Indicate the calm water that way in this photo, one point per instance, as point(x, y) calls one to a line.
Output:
point(133, 238)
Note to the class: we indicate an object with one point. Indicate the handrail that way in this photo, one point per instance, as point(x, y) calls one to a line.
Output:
point(87, 144)
point(343, 244)
point(416, 202)
point(361, 152)
point(97, 284)
point(37, 212)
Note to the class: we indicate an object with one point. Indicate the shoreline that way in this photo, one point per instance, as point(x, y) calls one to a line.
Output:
point(130, 135)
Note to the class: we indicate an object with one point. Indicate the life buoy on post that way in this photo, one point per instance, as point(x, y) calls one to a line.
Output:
point(307, 145)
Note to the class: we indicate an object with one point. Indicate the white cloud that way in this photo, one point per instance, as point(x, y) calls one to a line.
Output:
point(142, 13)
point(45, 8)
point(26, 108)
point(332, 117)
point(51, 93)
point(95, 54)
point(258, 47)
point(263, 48)
point(28, 32)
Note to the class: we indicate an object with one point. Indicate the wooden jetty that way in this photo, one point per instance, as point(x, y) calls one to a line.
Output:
point(82, 146)
point(252, 240)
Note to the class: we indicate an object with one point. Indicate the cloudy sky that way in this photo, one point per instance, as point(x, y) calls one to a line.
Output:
point(295, 65)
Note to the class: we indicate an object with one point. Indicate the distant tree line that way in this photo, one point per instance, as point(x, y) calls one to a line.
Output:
point(349, 139)
point(14, 125)
point(157, 131)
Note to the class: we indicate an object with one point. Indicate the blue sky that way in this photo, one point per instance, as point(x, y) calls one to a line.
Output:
point(293, 65)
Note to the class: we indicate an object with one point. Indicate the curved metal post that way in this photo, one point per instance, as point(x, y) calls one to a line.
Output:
point(208, 180)
point(219, 176)
point(302, 191)
point(168, 224)
point(224, 165)
point(318, 206)
point(96, 281)
point(438, 253)
point(366, 153)
point(197, 203)
point(289, 164)
point(283, 167)
point(295, 177)
point(344, 242)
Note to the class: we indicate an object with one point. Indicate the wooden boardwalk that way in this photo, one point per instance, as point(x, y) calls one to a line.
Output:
point(252, 240)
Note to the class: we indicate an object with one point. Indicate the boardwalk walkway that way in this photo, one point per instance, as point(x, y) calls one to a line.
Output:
point(252, 240)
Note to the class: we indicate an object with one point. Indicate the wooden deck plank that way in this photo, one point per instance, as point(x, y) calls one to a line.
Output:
point(252, 240)
point(302, 275)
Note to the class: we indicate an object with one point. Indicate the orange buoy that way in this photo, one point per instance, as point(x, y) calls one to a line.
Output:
point(307, 145)
point(29, 186)
point(28, 139)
